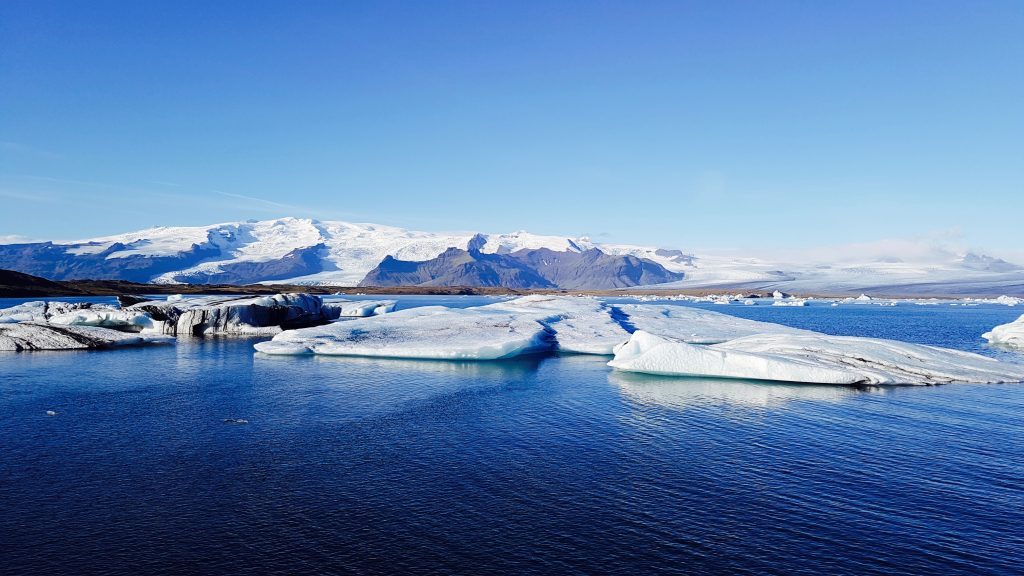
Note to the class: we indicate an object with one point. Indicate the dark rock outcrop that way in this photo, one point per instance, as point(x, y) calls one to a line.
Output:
point(541, 268)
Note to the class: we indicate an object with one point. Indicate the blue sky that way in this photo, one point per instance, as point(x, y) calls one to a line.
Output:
point(683, 124)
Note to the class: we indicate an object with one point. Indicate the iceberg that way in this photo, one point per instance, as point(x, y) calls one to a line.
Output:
point(1010, 335)
point(694, 325)
point(76, 314)
point(578, 325)
point(25, 336)
point(334, 309)
point(259, 315)
point(429, 332)
point(660, 340)
point(811, 358)
point(570, 324)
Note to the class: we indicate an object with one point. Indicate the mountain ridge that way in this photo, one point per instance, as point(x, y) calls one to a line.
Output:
point(334, 253)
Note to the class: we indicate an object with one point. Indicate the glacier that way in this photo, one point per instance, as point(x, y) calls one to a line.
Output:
point(314, 252)
point(1010, 335)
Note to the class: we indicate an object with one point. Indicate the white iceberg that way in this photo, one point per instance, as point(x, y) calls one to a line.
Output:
point(694, 325)
point(76, 314)
point(792, 301)
point(811, 358)
point(132, 320)
point(1010, 335)
point(335, 309)
point(429, 332)
point(578, 325)
point(25, 336)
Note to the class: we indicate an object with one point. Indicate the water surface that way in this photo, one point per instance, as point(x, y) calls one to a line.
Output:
point(537, 465)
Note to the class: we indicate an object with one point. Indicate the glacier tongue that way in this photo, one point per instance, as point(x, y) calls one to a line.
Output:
point(1010, 335)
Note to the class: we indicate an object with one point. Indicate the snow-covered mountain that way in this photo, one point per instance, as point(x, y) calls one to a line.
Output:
point(304, 251)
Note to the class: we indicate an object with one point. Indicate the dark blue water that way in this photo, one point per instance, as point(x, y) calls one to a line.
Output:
point(552, 465)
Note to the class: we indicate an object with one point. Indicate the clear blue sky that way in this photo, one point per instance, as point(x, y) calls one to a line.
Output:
point(684, 124)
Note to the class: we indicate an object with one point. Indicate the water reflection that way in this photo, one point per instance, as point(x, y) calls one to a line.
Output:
point(683, 393)
point(349, 387)
point(510, 368)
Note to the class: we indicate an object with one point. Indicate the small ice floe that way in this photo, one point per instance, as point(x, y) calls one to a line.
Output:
point(235, 421)
point(1010, 335)
point(51, 413)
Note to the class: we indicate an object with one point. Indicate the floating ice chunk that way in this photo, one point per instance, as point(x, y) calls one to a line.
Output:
point(1009, 300)
point(175, 298)
point(259, 315)
point(790, 302)
point(335, 309)
point(429, 332)
point(26, 336)
point(579, 325)
point(694, 325)
point(27, 312)
point(51, 413)
point(863, 298)
point(40, 311)
point(811, 358)
point(1010, 335)
point(134, 320)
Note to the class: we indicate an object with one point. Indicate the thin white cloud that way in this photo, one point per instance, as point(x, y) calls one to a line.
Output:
point(26, 196)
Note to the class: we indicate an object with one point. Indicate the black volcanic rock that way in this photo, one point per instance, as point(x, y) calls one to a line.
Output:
point(540, 268)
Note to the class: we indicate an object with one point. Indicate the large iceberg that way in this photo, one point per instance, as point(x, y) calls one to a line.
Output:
point(259, 315)
point(24, 336)
point(571, 324)
point(429, 332)
point(1010, 335)
point(577, 325)
point(667, 340)
point(694, 325)
point(811, 358)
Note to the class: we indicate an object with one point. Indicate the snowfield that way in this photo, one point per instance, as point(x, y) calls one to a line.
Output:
point(314, 252)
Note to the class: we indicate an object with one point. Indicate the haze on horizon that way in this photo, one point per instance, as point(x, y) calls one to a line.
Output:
point(679, 124)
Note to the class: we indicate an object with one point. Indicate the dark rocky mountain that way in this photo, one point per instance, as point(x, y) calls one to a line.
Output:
point(70, 262)
point(17, 284)
point(540, 268)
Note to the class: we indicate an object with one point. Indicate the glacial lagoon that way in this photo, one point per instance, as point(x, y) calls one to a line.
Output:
point(207, 457)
